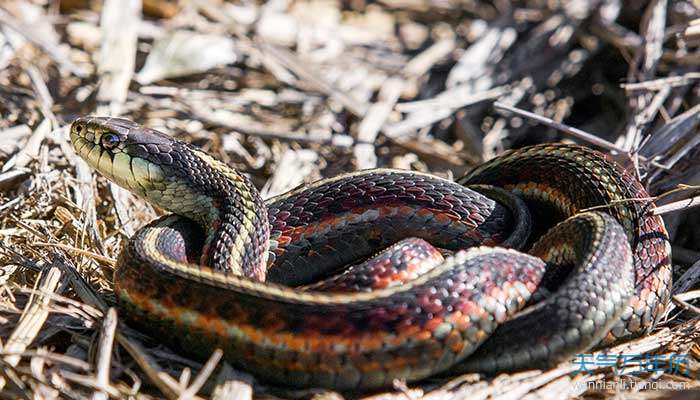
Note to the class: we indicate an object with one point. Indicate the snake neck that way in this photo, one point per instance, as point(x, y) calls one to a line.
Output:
point(226, 205)
point(233, 239)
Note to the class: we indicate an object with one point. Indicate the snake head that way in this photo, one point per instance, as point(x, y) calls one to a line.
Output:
point(109, 134)
point(128, 154)
point(149, 163)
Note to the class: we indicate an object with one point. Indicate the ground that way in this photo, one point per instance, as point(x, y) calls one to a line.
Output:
point(288, 92)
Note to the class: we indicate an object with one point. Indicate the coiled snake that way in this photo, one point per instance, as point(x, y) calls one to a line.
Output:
point(222, 277)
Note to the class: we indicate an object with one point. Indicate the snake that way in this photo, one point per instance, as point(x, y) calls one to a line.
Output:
point(360, 280)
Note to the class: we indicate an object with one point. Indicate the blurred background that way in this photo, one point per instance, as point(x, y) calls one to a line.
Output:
point(292, 91)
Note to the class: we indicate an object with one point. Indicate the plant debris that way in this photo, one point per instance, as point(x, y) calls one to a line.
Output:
point(290, 92)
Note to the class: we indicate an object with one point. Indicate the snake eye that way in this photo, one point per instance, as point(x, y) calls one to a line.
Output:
point(109, 140)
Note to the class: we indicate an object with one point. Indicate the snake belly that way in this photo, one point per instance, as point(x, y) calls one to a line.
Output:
point(222, 276)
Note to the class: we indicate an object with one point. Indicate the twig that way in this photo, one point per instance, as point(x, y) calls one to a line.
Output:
point(225, 119)
point(289, 60)
point(373, 121)
point(43, 93)
point(341, 141)
point(232, 384)
point(102, 259)
point(456, 97)
point(677, 206)
point(293, 168)
point(422, 63)
point(104, 356)
point(575, 132)
point(165, 383)
point(88, 381)
point(30, 151)
point(10, 21)
point(32, 319)
point(661, 83)
point(679, 302)
point(654, 28)
point(119, 26)
point(203, 375)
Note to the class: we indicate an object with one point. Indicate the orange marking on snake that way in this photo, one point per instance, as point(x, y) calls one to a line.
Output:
point(458, 320)
point(433, 324)
point(424, 335)
point(445, 218)
point(386, 211)
point(454, 341)
point(406, 211)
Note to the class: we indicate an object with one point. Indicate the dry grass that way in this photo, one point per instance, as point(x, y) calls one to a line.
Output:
point(289, 92)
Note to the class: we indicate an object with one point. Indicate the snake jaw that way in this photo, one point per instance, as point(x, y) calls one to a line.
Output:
point(109, 146)
point(98, 145)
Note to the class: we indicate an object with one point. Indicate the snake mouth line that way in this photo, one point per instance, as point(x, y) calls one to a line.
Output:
point(105, 144)
point(123, 169)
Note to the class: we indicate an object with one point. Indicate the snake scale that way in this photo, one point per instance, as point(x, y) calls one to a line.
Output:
point(238, 273)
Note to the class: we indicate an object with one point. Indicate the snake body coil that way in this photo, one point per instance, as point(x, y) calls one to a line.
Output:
point(599, 275)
